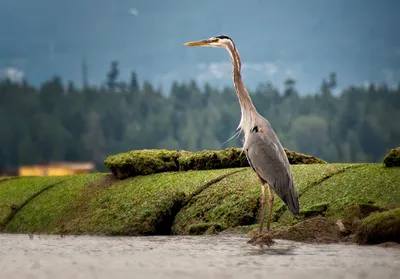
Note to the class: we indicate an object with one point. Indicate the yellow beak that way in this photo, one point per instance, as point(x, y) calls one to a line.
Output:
point(199, 43)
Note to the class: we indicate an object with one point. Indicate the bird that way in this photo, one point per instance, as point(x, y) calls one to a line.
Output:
point(261, 145)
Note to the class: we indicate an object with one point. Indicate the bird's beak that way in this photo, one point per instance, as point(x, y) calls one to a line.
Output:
point(199, 43)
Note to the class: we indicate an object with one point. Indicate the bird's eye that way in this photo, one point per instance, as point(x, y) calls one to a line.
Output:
point(255, 129)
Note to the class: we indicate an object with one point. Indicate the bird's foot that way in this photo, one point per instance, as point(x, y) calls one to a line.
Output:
point(262, 238)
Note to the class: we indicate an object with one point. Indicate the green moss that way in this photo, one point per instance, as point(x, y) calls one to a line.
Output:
point(202, 160)
point(236, 200)
point(192, 202)
point(232, 158)
point(361, 210)
point(4, 178)
point(299, 158)
point(365, 184)
point(353, 214)
point(213, 159)
point(324, 189)
point(144, 162)
point(45, 213)
point(306, 177)
point(14, 192)
point(392, 159)
point(380, 227)
point(314, 210)
point(143, 205)
point(226, 202)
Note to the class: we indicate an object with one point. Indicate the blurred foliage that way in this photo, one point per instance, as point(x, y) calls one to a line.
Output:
point(60, 122)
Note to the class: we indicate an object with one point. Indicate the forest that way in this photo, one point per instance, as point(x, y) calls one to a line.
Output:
point(59, 121)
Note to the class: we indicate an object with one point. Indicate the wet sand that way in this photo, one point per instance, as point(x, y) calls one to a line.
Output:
point(188, 257)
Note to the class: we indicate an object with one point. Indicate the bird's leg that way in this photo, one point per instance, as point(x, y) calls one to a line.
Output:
point(263, 206)
point(270, 204)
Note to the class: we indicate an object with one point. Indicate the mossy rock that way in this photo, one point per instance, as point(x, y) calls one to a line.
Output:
point(299, 158)
point(232, 158)
point(100, 204)
point(361, 210)
point(203, 160)
point(314, 210)
point(392, 159)
point(198, 202)
point(379, 228)
point(143, 162)
point(149, 161)
point(213, 159)
point(353, 214)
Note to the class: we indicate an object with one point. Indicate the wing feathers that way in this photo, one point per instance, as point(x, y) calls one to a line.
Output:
point(269, 161)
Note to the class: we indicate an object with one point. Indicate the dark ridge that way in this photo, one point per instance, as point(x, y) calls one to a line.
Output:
point(17, 208)
point(10, 178)
point(166, 220)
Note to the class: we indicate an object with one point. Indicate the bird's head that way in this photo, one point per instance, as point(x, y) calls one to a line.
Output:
point(218, 41)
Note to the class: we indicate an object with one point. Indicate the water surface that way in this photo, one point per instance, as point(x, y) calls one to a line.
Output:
point(188, 257)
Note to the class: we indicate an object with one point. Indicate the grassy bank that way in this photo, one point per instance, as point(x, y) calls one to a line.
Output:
point(192, 202)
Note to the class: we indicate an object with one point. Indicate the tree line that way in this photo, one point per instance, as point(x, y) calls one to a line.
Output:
point(58, 121)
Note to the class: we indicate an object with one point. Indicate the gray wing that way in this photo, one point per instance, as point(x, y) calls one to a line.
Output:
point(268, 159)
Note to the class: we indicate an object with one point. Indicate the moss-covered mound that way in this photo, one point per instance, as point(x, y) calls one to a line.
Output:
point(149, 161)
point(324, 189)
point(349, 184)
point(392, 159)
point(198, 202)
point(15, 192)
point(380, 227)
point(99, 204)
point(300, 158)
point(47, 211)
point(211, 159)
point(353, 215)
point(142, 162)
point(233, 201)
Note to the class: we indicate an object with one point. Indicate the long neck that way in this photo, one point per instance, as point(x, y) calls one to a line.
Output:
point(246, 105)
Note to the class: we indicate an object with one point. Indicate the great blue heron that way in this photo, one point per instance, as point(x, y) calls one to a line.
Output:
point(262, 147)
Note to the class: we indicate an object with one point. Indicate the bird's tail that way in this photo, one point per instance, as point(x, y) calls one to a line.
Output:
point(292, 200)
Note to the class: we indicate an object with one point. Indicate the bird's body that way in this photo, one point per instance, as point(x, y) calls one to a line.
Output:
point(268, 159)
point(261, 145)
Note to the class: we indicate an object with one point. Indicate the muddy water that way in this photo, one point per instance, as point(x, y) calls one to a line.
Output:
point(187, 257)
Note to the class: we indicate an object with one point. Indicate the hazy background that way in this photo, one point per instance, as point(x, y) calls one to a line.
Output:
point(358, 39)
point(325, 73)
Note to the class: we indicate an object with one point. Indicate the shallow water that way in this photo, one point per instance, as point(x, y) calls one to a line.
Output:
point(188, 257)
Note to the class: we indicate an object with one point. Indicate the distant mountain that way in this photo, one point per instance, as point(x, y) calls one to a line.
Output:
point(277, 39)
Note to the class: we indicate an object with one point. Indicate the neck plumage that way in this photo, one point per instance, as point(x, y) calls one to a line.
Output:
point(246, 105)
